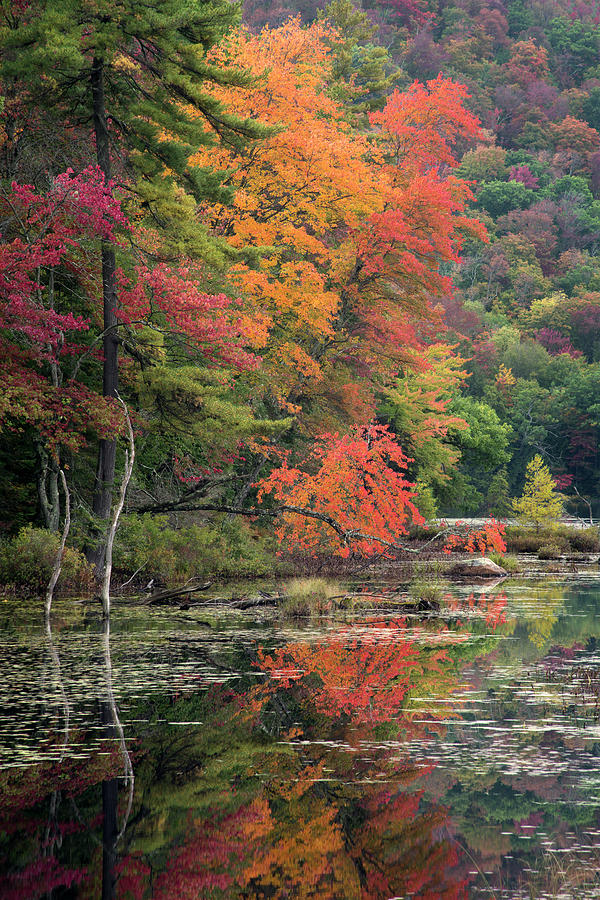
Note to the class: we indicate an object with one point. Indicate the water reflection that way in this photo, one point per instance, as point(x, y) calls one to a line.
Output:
point(112, 833)
point(387, 755)
point(36, 820)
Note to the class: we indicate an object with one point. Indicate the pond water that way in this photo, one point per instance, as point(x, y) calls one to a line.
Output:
point(373, 754)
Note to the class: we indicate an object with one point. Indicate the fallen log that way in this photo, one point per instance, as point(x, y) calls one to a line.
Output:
point(251, 602)
point(164, 597)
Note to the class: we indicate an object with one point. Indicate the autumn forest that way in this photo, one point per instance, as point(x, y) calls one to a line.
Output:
point(327, 271)
point(299, 319)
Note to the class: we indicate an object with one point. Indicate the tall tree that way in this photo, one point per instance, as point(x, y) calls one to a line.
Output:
point(134, 75)
point(357, 225)
point(45, 259)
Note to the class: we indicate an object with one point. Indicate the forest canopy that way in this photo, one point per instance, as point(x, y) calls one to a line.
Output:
point(331, 257)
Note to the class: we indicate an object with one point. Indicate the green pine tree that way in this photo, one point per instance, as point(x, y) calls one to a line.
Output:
point(357, 63)
point(498, 497)
point(135, 73)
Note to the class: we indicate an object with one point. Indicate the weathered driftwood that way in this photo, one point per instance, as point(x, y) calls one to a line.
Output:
point(251, 602)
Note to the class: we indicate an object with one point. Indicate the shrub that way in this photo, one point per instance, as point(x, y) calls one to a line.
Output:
point(225, 548)
point(523, 541)
point(27, 561)
point(549, 551)
point(529, 540)
point(424, 532)
point(480, 540)
point(584, 540)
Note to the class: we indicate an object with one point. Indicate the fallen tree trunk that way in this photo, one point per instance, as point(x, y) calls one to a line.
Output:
point(164, 597)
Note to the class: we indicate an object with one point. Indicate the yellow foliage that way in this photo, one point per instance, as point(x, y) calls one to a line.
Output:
point(539, 502)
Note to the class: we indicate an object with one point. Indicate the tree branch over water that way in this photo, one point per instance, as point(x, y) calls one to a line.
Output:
point(346, 534)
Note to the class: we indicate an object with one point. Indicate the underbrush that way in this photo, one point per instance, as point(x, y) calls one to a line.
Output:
point(27, 561)
point(561, 538)
point(147, 544)
point(550, 551)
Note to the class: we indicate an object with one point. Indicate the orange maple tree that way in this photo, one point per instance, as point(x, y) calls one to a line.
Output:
point(359, 486)
point(345, 236)
point(350, 228)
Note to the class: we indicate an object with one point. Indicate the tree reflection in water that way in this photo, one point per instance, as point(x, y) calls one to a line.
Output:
point(302, 788)
point(295, 784)
point(50, 814)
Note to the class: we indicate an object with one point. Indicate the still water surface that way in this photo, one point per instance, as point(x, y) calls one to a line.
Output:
point(212, 753)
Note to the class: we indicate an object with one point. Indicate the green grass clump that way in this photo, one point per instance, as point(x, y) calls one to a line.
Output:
point(508, 562)
point(427, 585)
point(426, 591)
point(308, 597)
point(549, 551)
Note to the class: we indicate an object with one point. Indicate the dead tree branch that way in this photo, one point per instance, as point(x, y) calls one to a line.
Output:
point(110, 537)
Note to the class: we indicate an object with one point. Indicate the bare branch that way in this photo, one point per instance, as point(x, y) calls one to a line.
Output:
point(587, 503)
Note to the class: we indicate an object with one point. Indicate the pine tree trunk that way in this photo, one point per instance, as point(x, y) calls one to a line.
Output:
point(105, 472)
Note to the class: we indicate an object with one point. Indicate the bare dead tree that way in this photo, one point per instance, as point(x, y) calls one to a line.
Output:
point(587, 503)
point(59, 554)
point(110, 537)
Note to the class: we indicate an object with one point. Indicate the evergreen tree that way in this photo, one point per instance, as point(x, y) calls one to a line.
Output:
point(136, 73)
point(363, 73)
point(498, 499)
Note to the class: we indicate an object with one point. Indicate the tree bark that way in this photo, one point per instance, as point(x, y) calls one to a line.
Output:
point(48, 493)
point(59, 556)
point(107, 451)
